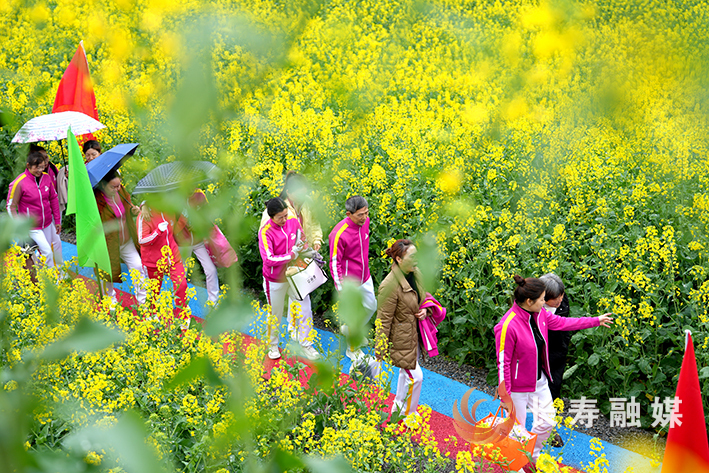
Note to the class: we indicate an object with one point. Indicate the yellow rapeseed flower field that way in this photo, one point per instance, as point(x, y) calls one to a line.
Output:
point(525, 136)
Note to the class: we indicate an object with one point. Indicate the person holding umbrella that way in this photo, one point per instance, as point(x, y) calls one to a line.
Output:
point(117, 213)
point(32, 194)
point(91, 150)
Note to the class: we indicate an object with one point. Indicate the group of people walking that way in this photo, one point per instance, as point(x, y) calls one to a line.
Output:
point(288, 229)
point(143, 238)
point(531, 338)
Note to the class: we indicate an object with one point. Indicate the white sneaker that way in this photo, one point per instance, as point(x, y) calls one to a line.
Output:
point(345, 331)
point(274, 353)
point(310, 353)
point(355, 355)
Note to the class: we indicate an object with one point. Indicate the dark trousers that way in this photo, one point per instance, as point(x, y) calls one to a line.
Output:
point(557, 366)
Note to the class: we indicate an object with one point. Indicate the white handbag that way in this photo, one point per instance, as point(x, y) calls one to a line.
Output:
point(305, 281)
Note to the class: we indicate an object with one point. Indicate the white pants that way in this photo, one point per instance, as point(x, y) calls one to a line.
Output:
point(56, 244)
point(210, 271)
point(276, 293)
point(542, 405)
point(369, 300)
point(45, 241)
point(130, 256)
point(408, 390)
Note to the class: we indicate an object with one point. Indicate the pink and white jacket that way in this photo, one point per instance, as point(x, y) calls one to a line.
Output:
point(276, 245)
point(517, 351)
point(153, 235)
point(428, 326)
point(349, 252)
point(34, 200)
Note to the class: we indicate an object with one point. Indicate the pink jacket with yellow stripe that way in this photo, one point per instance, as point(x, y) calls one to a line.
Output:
point(37, 200)
point(517, 350)
point(349, 252)
point(275, 245)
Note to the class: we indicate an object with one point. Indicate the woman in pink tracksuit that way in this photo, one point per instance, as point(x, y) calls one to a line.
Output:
point(295, 194)
point(280, 242)
point(161, 256)
point(522, 340)
point(32, 194)
point(349, 258)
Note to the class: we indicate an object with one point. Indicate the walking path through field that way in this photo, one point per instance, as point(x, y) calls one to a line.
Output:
point(438, 392)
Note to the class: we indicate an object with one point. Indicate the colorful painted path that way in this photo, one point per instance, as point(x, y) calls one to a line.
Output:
point(439, 393)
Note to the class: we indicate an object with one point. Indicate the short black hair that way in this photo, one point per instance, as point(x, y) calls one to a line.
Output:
point(35, 158)
point(92, 144)
point(35, 147)
point(110, 175)
point(275, 206)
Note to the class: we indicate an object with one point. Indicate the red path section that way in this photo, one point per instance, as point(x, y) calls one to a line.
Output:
point(442, 425)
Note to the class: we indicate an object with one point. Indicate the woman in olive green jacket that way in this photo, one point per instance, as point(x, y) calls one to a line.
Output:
point(399, 301)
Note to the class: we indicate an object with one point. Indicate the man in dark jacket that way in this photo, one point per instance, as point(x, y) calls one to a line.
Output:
point(556, 302)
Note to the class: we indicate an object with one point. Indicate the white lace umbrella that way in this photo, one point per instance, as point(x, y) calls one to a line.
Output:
point(54, 126)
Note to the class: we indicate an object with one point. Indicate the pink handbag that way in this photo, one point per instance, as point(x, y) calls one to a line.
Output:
point(221, 252)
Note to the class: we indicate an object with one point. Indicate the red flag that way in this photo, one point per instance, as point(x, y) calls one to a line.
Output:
point(75, 91)
point(687, 450)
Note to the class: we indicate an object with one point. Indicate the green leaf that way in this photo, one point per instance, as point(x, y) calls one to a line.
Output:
point(198, 368)
point(87, 336)
point(125, 441)
point(615, 361)
point(352, 312)
point(284, 461)
point(323, 377)
point(659, 378)
point(233, 314)
point(13, 229)
point(568, 373)
point(593, 359)
point(429, 262)
point(704, 372)
point(636, 390)
point(335, 465)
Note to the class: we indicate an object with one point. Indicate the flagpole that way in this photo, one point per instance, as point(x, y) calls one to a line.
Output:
point(98, 281)
point(61, 145)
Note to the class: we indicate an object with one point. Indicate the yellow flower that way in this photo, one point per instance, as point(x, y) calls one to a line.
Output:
point(450, 181)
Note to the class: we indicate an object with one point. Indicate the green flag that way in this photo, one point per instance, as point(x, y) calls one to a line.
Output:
point(90, 238)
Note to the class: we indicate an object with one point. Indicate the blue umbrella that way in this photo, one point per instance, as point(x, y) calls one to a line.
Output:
point(110, 160)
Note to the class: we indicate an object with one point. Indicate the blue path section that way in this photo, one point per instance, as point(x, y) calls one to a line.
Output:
point(438, 391)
